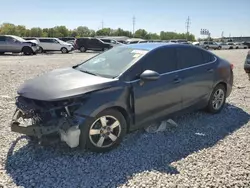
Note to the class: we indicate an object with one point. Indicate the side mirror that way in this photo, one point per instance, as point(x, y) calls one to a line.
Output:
point(149, 75)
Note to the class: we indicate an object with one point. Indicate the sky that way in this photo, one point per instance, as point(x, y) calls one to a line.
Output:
point(232, 17)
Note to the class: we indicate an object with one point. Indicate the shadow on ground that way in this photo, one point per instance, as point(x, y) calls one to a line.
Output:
point(62, 167)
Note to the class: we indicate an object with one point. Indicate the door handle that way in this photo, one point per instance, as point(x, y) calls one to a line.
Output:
point(210, 70)
point(177, 80)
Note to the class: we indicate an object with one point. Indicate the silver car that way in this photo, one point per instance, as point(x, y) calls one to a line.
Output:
point(210, 45)
point(15, 44)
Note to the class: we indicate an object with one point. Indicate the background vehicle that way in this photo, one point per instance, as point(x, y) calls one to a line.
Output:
point(210, 45)
point(224, 45)
point(124, 89)
point(91, 43)
point(111, 41)
point(65, 39)
point(15, 44)
point(54, 44)
point(247, 44)
point(247, 65)
point(240, 45)
point(231, 45)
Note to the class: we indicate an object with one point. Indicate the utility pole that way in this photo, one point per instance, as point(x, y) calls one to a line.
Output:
point(133, 26)
point(102, 24)
point(222, 35)
point(187, 26)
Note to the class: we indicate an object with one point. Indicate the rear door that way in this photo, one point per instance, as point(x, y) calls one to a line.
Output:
point(196, 68)
point(155, 99)
point(49, 44)
point(95, 44)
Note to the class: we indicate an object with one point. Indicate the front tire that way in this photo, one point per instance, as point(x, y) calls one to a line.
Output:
point(27, 51)
point(105, 132)
point(83, 49)
point(64, 50)
point(217, 99)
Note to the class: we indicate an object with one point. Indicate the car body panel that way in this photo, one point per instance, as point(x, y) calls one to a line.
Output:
point(61, 84)
point(54, 44)
point(158, 97)
point(138, 100)
point(15, 44)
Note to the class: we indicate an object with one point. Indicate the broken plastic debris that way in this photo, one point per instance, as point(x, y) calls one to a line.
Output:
point(200, 134)
point(160, 127)
point(5, 96)
point(71, 137)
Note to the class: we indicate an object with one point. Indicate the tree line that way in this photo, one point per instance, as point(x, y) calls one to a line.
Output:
point(83, 31)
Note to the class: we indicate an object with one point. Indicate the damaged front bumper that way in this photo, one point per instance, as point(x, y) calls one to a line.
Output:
point(67, 126)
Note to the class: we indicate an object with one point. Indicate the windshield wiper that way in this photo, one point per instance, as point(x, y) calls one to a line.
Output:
point(85, 71)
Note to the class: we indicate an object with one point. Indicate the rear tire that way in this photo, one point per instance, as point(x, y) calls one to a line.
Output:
point(27, 50)
point(40, 50)
point(217, 99)
point(103, 138)
point(2, 53)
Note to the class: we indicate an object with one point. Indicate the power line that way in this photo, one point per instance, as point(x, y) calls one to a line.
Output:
point(187, 26)
point(133, 25)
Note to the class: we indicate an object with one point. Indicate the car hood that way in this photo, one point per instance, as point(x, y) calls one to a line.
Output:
point(32, 41)
point(61, 84)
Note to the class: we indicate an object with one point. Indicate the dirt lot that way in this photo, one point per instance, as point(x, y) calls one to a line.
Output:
point(203, 151)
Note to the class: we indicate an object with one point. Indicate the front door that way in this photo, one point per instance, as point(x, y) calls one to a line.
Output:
point(196, 69)
point(156, 99)
point(3, 44)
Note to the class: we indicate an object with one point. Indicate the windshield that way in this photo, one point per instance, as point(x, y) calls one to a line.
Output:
point(60, 41)
point(112, 62)
point(19, 38)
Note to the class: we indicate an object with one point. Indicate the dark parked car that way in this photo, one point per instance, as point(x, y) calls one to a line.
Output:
point(247, 64)
point(95, 103)
point(91, 43)
point(65, 39)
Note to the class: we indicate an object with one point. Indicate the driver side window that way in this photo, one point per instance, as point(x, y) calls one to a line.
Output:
point(162, 60)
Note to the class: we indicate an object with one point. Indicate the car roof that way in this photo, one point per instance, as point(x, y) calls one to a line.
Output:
point(152, 46)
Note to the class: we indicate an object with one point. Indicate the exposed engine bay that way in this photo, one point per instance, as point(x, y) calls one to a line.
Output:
point(40, 118)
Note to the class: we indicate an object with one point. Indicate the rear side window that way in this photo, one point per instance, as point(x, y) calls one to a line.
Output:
point(162, 60)
point(189, 57)
point(44, 40)
point(207, 58)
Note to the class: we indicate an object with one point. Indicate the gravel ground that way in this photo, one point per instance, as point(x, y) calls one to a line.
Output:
point(203, 151)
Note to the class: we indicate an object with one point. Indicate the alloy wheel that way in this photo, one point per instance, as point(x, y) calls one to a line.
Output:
point(218, 99)
point(104, 131)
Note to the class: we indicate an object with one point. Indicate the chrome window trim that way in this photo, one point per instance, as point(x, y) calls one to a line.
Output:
point(163, 74)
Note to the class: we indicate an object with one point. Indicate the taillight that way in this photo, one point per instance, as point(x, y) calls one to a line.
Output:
point(231, 66)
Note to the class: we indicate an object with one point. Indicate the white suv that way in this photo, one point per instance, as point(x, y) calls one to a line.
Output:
point(54, 44)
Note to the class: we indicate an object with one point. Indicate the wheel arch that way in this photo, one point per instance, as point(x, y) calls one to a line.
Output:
point(116, 106)
point(221, 83)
